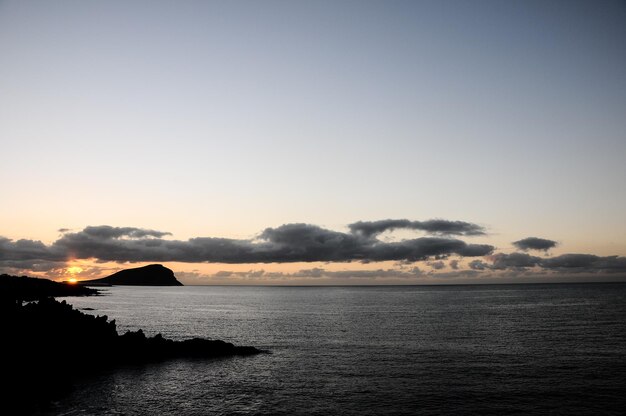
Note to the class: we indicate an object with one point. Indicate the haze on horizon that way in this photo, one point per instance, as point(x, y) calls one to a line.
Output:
point(286, 142)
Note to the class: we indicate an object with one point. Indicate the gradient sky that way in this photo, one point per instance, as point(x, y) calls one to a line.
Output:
point(224, 118)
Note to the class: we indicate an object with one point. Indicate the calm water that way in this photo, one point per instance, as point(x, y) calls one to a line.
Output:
point(370, 350)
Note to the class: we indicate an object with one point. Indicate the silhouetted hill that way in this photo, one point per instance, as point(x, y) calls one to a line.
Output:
point(25, 288)
point(151, 275)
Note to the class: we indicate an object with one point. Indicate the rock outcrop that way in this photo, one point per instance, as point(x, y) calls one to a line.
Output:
point(47, 344)
point(23, 288)
point(151, 275)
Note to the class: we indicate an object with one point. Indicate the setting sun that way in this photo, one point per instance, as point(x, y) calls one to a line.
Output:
point(72, 280)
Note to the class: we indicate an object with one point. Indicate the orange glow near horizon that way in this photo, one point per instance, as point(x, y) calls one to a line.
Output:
point(72, 280)
point(74, 270)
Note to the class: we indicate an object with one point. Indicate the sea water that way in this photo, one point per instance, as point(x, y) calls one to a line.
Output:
point(482, 349)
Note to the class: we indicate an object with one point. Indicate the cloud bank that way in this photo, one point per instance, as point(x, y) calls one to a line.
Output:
point(566, 262)
point(320, 273)
point(300, 242)
point(284, 244)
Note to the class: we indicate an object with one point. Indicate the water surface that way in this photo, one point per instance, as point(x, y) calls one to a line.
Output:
point(370, 350)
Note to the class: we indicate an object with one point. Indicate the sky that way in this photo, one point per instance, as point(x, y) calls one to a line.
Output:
point(325, 142)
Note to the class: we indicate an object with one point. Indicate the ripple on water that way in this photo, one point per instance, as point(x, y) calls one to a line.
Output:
point(393, 350)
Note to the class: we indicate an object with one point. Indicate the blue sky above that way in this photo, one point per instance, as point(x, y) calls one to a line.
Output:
point(224, 118)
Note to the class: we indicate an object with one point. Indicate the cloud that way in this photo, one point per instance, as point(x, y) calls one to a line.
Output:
point(27, 250)
point(320, 273)
point(585, 262)
point(20, 266)
point(322, 276)
point(578, 263)
point(514, 261)
point(437, 265)
point(106, 231)
point(285, 244)
point(300, 242)
point(535, 243)
point(223, 273)
point(305, 242)
point(436, 227)
point(475, 250)
point(479, 265)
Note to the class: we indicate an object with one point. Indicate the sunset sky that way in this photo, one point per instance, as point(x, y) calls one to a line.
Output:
point(320, 142)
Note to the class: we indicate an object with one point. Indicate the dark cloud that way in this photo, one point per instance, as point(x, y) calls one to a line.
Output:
point(579, 263)
point(475, 250)
point(514, 261)
point(19, 266)
point(535, 243)
point(479, 265)
point(106, 231)
point(437, 265)
point(585, 262)
point(284, 244)
point(315, 272)
point(437, 227)
point(27, 250)
point(424, 248)
point(305, 242)
point(300, 242)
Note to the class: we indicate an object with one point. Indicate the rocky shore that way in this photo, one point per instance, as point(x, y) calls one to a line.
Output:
point(47, 343)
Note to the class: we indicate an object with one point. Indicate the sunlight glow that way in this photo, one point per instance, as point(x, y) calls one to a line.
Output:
point(74, 270)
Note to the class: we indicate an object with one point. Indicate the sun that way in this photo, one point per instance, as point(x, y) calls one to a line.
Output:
point(73, 271)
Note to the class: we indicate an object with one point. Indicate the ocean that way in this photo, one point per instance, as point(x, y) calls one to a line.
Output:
point(424, 350)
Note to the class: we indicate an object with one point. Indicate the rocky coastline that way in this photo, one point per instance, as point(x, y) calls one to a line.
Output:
point(47, 344)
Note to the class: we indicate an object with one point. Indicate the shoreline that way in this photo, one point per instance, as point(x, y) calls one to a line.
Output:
point(48, 343)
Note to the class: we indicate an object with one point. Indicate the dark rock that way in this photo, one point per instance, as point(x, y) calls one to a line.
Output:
point(151, 275)
point(47, 344)
point(14, 288)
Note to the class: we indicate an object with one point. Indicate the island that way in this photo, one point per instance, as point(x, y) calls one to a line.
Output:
point(151, 275)
point(48, 345)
